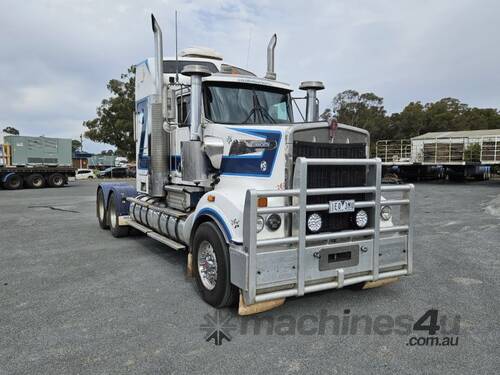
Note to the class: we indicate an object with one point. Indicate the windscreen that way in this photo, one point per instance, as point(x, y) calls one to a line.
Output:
point(246, 104)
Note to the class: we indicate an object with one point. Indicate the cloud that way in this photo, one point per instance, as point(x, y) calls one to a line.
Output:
point(56, 56)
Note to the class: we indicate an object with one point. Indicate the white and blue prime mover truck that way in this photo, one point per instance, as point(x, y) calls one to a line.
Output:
point(267, 208)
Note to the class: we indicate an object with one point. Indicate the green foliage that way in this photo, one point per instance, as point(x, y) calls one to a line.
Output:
point(75, 145)
point(362, 110)
point(114, 122)
point(473, 152)
point(448, 114)
point(11, 130)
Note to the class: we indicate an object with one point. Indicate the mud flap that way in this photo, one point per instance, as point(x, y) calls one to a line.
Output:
point(381, 282)
point(244, 309)
point(189, 268)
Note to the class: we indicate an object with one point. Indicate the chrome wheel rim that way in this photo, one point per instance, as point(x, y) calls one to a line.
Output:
point(112, 216)
point(207, 265)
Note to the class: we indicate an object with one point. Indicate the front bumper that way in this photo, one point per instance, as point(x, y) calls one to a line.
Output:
point(292, 266)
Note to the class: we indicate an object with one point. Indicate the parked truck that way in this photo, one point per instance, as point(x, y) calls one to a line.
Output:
point(35, 162)
point(267, 208)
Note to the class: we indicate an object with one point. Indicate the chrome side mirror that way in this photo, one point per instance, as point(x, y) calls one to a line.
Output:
point(214, 148)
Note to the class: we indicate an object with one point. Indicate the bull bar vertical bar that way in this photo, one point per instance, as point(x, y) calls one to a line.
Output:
point(301, 180)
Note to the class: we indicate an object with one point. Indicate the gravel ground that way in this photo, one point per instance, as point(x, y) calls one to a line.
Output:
point(75, 300)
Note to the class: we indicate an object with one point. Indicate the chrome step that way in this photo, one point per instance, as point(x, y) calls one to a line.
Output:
point(158, 237)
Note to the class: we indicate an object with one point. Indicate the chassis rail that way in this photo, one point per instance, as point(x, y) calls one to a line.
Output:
point(299, 208)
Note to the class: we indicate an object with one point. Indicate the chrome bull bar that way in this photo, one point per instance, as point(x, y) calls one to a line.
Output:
point(299, 208)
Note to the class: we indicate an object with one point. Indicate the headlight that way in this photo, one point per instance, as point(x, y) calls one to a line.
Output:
point(273, 222)
point(386, 213)
point(314, 222)
point(260, 223)
point(361, 218)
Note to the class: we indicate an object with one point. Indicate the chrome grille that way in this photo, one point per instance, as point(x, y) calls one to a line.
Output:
point(333, 176)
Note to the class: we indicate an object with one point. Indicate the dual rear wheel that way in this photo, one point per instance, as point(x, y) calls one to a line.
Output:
point(107, 215)
point(35, 181)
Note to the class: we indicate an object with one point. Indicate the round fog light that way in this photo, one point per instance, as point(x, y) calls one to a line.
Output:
point(314, 222)
point(260, 223)
point(386, 213)
point(361, 218)
point(273, 222)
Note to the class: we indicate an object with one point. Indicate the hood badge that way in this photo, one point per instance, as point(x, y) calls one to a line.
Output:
point(263, 165)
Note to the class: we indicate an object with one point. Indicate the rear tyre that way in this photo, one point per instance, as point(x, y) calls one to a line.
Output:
point(35, 181)
point(211, 266)
point(101, 210)
point(116, 230)
point(13, 182)
point(56, 180)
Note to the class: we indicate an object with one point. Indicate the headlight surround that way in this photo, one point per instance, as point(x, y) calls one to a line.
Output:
point(314, 222)
point(361, 218)
point(386, 213)
point(273, 222)
point(260, 223)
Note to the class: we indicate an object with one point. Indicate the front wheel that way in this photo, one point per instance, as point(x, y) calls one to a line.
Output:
point(211, 266)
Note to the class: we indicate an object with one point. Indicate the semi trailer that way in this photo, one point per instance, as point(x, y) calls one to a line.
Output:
point(454, 155)
point(35, 162)
point(266, 207)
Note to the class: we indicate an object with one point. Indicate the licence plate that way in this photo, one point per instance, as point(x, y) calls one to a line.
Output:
point(341, 206)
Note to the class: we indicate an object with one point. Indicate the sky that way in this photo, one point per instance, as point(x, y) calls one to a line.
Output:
point(56, 56)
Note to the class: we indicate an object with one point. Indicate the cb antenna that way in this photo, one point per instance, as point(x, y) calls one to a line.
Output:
point(176, 54)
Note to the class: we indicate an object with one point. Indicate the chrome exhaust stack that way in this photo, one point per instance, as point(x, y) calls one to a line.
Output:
point(312, 110)
point(159, 138)
point(194, 160)
point(270, 58)
point(196, 72)
point(158, 55)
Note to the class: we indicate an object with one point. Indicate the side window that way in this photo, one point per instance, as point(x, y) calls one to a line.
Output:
point(183, 115)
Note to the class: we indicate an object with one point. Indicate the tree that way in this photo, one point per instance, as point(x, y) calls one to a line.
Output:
point(107, 152)
point(114, 123)
point(75, 145)
point(11, 130)
point(410, 122)
point(448, 114)
point(362, 110)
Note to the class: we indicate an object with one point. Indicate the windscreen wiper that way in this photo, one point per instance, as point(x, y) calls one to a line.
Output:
point(258, 108)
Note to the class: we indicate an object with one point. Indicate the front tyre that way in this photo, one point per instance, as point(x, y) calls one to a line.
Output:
point(211, 266)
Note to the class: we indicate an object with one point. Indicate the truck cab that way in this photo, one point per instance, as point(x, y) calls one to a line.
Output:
point(267, 207)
